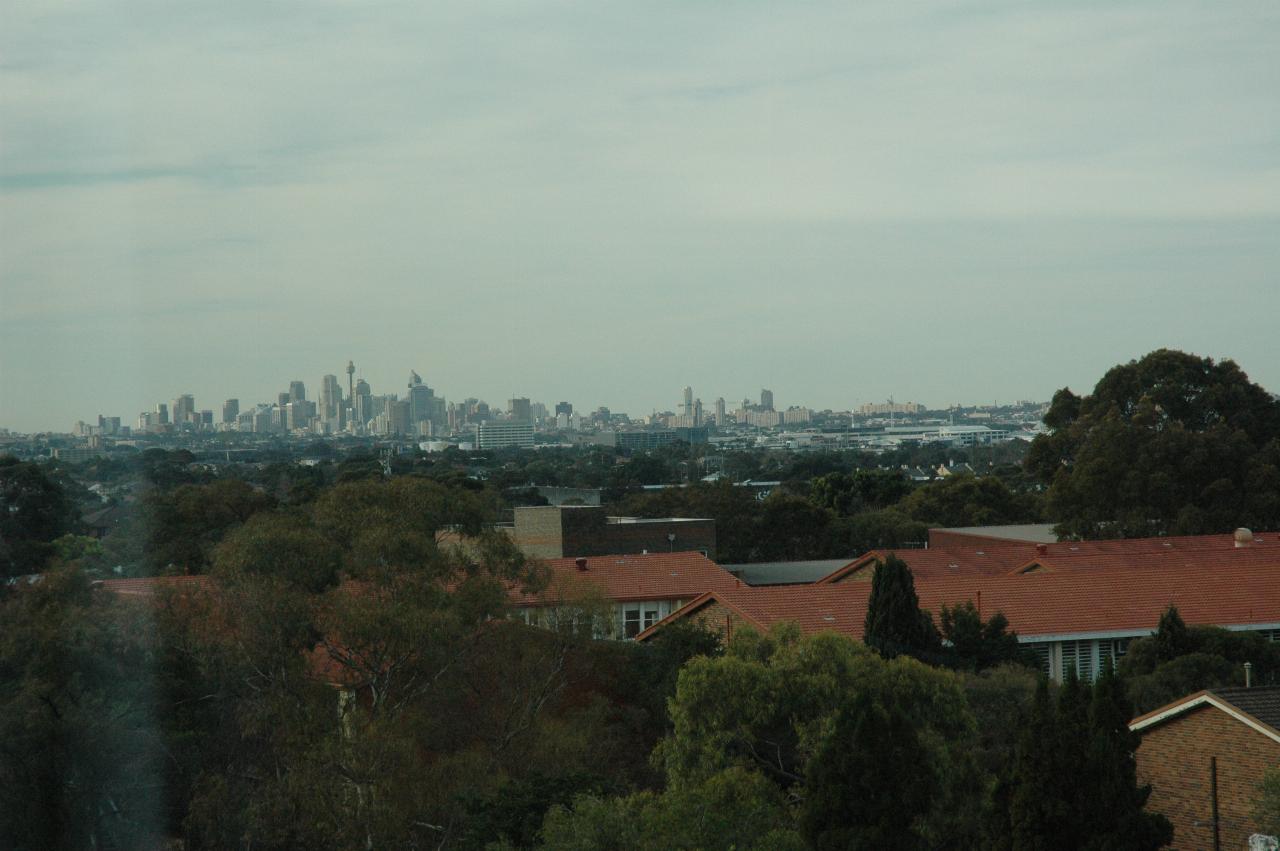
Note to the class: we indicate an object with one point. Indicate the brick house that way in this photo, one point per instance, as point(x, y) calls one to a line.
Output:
point(1204, 756)
point(636, 591)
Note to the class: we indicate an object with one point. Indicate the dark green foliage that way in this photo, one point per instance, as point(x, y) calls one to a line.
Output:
point(1179, 660)
point(865, 788)
point(895, 624)
point(861, 490)
point(34, 510)
point(1171, 638)
point(80, 763)
point(184, 525)
point(964, 500)
point(1073, 783)
point(1169, 444)
point(973, 644)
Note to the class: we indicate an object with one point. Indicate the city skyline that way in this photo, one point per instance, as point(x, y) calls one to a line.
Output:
point(840, 201)
point(314, 392)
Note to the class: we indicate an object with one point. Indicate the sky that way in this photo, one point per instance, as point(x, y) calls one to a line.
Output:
point(602, 202)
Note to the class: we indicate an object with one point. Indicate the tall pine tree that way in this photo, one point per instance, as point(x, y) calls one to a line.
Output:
point(895, 625)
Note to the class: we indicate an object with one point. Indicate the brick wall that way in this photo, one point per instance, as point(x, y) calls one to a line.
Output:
point(1174, 759)
point(719, 619)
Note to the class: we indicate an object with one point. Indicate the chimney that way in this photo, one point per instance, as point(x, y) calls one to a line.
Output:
point(581, 563)
point(1042, 549)
point(1243, 538)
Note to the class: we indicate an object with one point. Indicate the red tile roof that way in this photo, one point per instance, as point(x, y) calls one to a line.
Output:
point(1236, 588)
point(651, 576)
point(938, 562)
point(148, 586)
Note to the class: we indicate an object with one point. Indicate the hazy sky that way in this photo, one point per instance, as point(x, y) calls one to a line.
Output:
point(603, 202)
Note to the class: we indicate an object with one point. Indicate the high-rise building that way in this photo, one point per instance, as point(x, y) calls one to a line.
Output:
point(500, 435)
point(697, 412)
point(162, 414)
point(297, 391)
point(362, 406)
point(766, 400)
point(230, 410)
point(330, 411)
point(282, 399)
point(564, 408)
point(519, 410)
point(687, 407)
point(184, 409)
point(721, 418)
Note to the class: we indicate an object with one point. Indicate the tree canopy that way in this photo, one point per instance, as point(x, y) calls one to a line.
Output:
point(1169, 444)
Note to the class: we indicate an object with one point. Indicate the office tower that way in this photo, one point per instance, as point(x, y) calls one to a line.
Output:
point(230, 410)
point(564, 408)
point(398, 417)
point(162, 414)
point(184, 409)
point(697, 412)
point(720, 414)
point(687, 406)
point(204, 420)
point(766, 400)
point(297, 391)
point(519, 410)
point(331, 401)
point(362, 406)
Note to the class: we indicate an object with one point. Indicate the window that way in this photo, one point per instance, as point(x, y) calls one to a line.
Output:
point(631, 622)
point(1078, 655)
point(1042, 652)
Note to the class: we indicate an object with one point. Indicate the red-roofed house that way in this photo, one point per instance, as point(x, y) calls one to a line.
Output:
point(1069, 614)
point(641, 589)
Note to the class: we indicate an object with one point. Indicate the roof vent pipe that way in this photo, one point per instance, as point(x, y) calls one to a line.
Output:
point(1243, 538)
point(581, 563)
point(1248, 675)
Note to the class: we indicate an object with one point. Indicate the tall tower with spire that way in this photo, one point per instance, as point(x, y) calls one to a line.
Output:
point(351, 387)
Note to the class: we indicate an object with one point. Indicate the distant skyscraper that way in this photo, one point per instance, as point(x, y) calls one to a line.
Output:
point(687, 408)
point(331, 402)
point(766, 400)
point(520, 410)
point(162, 414)
point(362, 406)
point(351, 371)
point(720, 414)
point(230, 410)
point(184, 409)
point(564, 408)
point(297, 391)
point(697, 412)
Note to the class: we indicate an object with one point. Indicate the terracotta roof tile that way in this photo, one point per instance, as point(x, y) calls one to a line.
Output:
point(1237, 588)
point(652, 576)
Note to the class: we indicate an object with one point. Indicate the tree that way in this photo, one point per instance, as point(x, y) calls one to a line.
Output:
point(974, 644)
point(1178, 660)
point(732, 810)
point(34, 510)
point(786, 693)
point(1266, 810)
point(895, 624)
point(80, 764)
point(1073, 781)
point(851, 800)
point(965, 500)
point(183, 526)
point(1169, 444)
